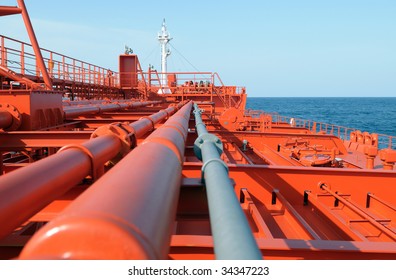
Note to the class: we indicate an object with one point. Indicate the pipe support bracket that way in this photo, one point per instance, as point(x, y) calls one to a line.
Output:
point(207, 137)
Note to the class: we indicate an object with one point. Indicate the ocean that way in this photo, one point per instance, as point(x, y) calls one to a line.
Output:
point(371, 114)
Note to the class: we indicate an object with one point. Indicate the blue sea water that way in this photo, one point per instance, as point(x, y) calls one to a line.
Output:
point(371, 114)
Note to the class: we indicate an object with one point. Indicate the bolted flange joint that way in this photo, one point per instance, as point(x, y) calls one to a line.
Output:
point(15, 116)
point(207, 137)
point(123, 131)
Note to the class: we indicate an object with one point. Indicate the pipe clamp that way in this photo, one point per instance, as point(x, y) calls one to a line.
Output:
point(207, 137)
point(209, 161)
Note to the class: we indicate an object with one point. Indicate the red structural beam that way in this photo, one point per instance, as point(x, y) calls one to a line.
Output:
point(30, 188)
point(128, 213)
point(15, 77)
point(35, 45)
point(7, 10)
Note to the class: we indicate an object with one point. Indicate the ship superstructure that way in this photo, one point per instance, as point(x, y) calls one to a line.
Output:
point(134, 164)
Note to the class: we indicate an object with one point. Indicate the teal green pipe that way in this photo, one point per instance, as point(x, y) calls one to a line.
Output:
point(232, 236)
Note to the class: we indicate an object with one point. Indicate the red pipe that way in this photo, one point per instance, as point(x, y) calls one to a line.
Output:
point(75, 111)
point(129, 212)
point(94, 101)
point(27, 190)
point(146, 124)
point(31, 188)
point(85, 102)
point(5, 119)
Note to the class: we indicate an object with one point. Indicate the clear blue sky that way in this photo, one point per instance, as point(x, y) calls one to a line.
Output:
point(274, 48)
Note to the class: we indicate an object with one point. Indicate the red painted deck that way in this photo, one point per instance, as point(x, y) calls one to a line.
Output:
point(113, 171)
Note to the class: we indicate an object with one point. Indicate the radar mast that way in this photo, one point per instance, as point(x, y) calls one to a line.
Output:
point(164, 38)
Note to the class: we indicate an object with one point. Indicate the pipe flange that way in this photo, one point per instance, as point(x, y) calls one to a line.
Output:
point(122, 131)
point(207, 137)
point(16, 116)
point(131, 138)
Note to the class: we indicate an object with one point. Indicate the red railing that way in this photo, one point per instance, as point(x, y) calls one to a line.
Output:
point(342, 132)
point(193, 83)
point(19, 57)
point(196, 82)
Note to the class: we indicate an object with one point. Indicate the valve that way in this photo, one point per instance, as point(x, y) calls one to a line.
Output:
point(244, 145)
point(388, 157)
point(370, 152)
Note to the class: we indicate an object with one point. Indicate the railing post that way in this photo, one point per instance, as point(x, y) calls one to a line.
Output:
point(51, 65)
point(74, 70)
point(63, 67)
point(82, 72)
point(22, 58)
point(3, 52)
point(89, 74)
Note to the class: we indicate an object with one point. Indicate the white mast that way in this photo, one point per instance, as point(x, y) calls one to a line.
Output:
point(164, 38)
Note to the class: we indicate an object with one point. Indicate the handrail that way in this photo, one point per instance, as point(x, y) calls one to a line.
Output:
point(198, 80)
point(343, 132)
point(20, 55)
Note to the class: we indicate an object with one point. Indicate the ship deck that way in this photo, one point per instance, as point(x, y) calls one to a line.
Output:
point(98, 164)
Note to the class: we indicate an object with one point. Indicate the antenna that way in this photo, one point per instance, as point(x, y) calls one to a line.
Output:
point(128, 50)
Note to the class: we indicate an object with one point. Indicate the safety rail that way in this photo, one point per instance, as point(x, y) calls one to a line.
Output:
point(190, 82)
point(384, 141)
point(193, 83)
point(19, 57)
